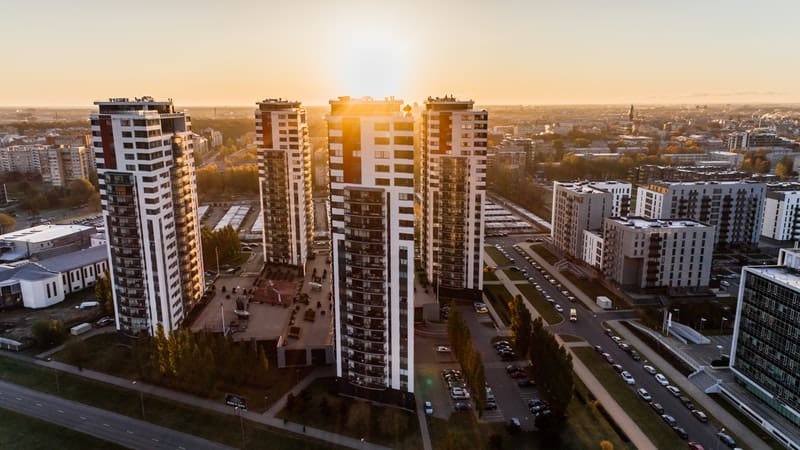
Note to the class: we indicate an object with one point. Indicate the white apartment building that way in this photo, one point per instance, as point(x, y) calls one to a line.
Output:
point(147, 186)
point(650, 253)
point(58, 165)
point(782, 212)
point(284, 173)
point(582, 206)
point(454, 140)
point(371, 148)
point(735, 208)
point(593, 248)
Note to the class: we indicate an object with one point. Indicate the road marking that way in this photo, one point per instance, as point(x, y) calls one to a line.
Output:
point(106, 425)
point(60, 411)
point(83, 418)
point(39, 405)
point(154, 440)
point(129, 431)
point(19, 398)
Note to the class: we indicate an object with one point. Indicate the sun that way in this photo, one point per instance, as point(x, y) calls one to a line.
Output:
point(374, 63)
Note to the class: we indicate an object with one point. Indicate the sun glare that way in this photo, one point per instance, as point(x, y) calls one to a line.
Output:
point(374, 64)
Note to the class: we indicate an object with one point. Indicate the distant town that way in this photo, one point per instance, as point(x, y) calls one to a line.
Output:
point(401, 273)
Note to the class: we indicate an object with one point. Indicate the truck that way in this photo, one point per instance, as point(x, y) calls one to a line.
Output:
point(80, 329)
point(573, 315)
point(604, 302)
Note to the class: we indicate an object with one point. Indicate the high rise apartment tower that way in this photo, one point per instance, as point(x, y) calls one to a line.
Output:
point(371, 147)
point(454, 137)
point(147, 185)
point(284, 173)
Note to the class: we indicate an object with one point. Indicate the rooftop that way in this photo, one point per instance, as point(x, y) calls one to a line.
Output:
point(42, 233)
point(641, 222)
point(75, 260)
point(781, 274)
point(274, 104)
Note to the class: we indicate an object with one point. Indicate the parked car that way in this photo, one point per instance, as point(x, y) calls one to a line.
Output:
point(462, 406)
point(627, 377)
point(617, 368)
point(104, 321)
point(635, 355)
point(661, 379)
point(669, 420)
point(687, 402)
point(726, 439)
point(695, 446)
point(598, 349)
point(428, 408)
point(644, 394)
point(700, 415)
point(559, 308)
point(674, 391)
point(513, 425)
point(649, 369)
point(657, 407)
point(608, 358)
point(527, 382)
point(681, 432)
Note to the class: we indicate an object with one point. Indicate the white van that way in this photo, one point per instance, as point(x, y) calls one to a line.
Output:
point(85, 305)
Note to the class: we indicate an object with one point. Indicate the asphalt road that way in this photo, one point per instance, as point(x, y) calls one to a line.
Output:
point(590, 328)
point(96, 422)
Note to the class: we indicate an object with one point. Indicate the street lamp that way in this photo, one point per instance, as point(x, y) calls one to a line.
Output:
point(719, 347)
point(677, 312)
point(241, 422)
point(702, 322)
point(141, 398)
point(722, 324)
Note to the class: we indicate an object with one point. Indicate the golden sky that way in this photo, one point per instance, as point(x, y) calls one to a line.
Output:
point(236, 52)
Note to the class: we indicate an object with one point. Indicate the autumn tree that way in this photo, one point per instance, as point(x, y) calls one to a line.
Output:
point(552, 371)
point(784, 168)
point(520, 324)
point(7, 223)
point(102, 289)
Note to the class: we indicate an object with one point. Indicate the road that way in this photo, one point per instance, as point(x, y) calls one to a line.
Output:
point(96, 422)
point(589, 327)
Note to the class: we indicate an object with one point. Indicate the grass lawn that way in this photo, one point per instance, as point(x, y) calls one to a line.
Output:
point(498, 258)
point(188, 419)
point(586, 427)
point(108, 356)
point(18, 431)
point(746, 421)
point(544, 253)
point(570, 338)
point(594, 289)
point(499, 297)
point(514, 275)
point(544, 308)
point(647, 419)
point(319, 406)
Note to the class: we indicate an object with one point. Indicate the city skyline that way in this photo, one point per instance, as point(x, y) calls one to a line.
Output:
point(515, 53)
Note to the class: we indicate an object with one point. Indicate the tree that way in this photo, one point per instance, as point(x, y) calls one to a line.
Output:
point(80, 191)
point(520, 324)
point(7, 223)
point(48, 333)
point(224, 243)
point(102, 289)
point(76, 352)
point(606, 445)
point(784, 168)
point(552, 371)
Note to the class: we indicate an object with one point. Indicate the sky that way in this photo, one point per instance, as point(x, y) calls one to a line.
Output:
point(236, 52)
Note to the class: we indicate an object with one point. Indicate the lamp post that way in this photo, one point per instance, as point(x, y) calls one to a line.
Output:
point(58, 383)
point(241, 423)
point(222, 316)
point(722, 324)
point(677, 312)
point(141, 398)
point(702, 322)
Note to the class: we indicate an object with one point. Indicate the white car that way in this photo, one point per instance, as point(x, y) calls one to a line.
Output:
point(627, 377)
point(649, 369)
point(644, 394)
point(662, 380)
point(558, 308)
point(674, 391)
point(443, 349)
point(428, 408)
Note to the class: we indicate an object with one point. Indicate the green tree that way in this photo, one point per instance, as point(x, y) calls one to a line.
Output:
point(552, 370)
point(76, 352)
point(48, 333)
point(520, 324)
point(7, 223)
point(102, 289)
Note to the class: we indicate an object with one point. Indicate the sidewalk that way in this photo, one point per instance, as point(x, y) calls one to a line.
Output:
point(678, 379)
point(198, 402)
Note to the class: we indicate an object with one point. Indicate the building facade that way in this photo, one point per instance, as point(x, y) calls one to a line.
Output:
point(147, 186)
point(371, 148)
point(735, 208)
point(782, 212)
point(284, 173)
point(766, 338)
point(648, 253)
point(453, 193)
point(59, 165)
point(578, 207)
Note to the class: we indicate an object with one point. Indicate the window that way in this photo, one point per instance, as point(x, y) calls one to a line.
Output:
point(382, 126)
point(382, 181)
point(404, 126)
point(404, 182)
point(404, 154)
point(403, 140)
point(383, 141)
point(381, 168)
point(404, 168)
point(382, 154)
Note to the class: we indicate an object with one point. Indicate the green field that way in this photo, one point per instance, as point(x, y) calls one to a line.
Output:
point(544, 253)
point(217, 427)
point(499, 297)
point(18, 431)
point(544, 308)
point(514, 275)
point(499, 258)
point(648, 420)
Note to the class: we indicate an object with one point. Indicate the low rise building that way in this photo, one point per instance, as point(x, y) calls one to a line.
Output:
point(782, 212)
point(44, 241)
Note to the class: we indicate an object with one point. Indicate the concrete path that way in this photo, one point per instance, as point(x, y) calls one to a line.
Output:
point(216, 406)
point(679, 380)
point(106, 425)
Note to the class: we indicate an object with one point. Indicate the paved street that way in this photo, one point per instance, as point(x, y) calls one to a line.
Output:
point(96, 422)
point(589, 327)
